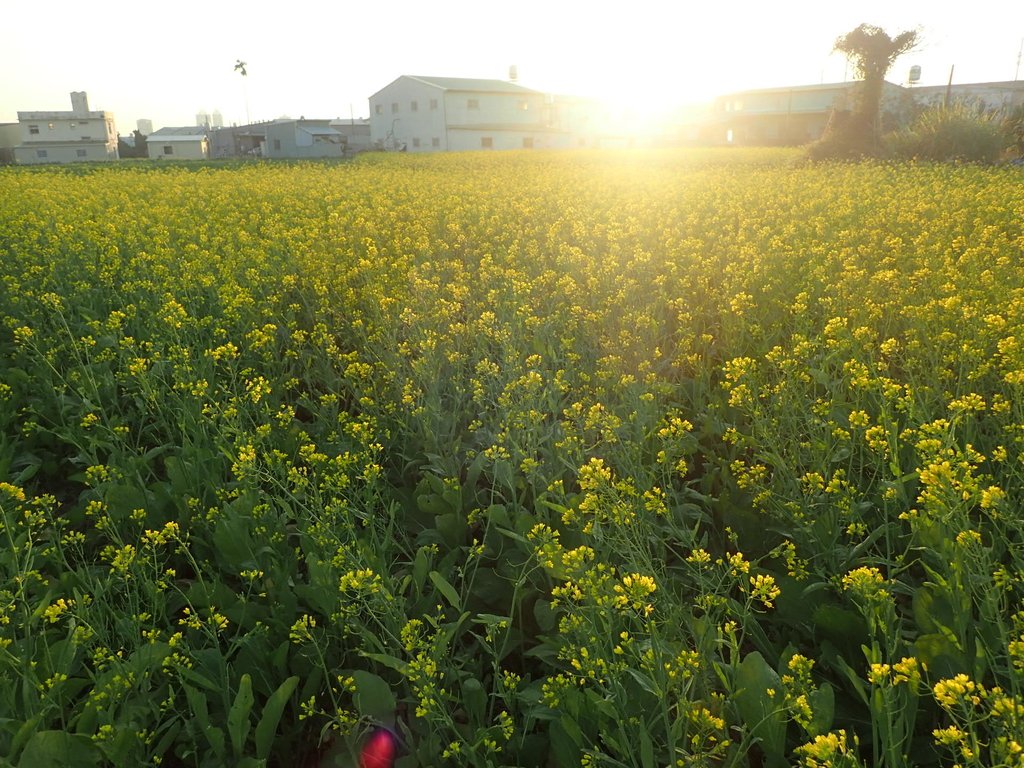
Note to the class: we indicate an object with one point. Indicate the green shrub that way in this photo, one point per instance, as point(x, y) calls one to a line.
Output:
point(956, 132)
point(1013, 128)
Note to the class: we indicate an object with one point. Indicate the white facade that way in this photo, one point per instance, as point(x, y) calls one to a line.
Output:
point(432, 114)
point(1001, 97)
point(188, 143)
point(66, 137)
point(303, 139)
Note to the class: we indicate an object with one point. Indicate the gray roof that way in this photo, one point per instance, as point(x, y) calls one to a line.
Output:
point(472, 85)
point(188, 130)
point(319, 130)
point(816, 87)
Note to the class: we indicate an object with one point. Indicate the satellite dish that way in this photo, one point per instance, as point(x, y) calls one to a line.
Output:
point(915, 74)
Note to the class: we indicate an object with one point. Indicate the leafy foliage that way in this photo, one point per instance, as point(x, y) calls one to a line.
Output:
point(535, 459)
point(954, 133)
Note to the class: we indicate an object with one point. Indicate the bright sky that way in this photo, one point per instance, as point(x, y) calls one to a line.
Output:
point(320, 59)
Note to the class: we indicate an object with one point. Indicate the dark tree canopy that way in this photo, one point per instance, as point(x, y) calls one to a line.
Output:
point(872, 53)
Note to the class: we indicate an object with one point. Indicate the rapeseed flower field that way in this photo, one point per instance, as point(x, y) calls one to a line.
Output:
point(557, 459)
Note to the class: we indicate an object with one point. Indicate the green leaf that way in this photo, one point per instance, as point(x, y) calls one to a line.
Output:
point(446, 589)
point(25, 730)
point(823, 708)
point(566, 741)
point(238, 715)
point(390, 662)
point(474, 699)
point(266, 729)
point(373, 697)
point(420, 568)
point(759, 710)
point(58, 749)
point(201, 716)
point(546, 617)
point(452, 527)
point(646, 750)
point(201, 680)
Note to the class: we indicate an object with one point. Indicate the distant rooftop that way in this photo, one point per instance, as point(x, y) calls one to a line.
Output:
point(64, 115)
point(187, 130)
point(472, 84)
point(182, 133)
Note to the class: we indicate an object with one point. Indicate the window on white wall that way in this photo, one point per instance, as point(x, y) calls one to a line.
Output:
point(379, 109)
point(79, 153)
point(528, 142)
point(435, 142)
point(40, 153)
point(414, 106)
point(415, 142)
point(33, 129)
point(394, 107)
point(486, 142)
point(433, 103)
point(168, 149)
point(473, 104)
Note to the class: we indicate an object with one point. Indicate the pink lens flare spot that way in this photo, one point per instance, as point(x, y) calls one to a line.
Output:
point(379, 750)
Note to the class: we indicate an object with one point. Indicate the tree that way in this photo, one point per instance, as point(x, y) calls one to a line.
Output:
point(141, 148)
point(872, 53)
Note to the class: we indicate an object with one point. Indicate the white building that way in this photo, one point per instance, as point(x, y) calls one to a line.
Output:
point(188, 143)
point(66, 137)
point(303, 139)
point(432, 114)
point(1000, 98)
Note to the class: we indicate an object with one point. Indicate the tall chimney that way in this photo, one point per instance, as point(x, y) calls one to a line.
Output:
point(79, 103)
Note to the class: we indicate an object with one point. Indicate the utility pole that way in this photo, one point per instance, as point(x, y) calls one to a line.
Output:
point(949, 86)
point(1020, 52)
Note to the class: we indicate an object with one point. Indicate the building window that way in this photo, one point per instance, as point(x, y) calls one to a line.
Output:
point(394, 107)
point(168, 149)
point(80, 153)
point(40, 153)
point(33, 129)
point(86, 138)
point(435, 142)
point(84, 122)
point(528, 142)
point(433, 103)
point(379, 109)
point(473, 104)
point(415, 142)
point(414, 106)
point(486, 142)
point(277, 144)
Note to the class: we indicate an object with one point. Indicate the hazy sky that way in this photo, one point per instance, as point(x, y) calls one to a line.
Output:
point(168, 61)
